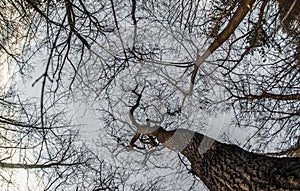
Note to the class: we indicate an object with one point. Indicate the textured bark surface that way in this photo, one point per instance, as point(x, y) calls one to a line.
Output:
point(228, 167)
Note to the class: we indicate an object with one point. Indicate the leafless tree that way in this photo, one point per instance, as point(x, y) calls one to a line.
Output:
point(162, 64)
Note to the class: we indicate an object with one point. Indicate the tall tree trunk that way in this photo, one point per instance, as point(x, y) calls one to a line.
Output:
point(228, 167)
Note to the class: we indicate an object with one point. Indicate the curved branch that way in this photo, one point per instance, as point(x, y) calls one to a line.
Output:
point(237, 18)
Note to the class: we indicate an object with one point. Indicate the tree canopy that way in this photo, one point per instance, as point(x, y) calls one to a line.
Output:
point(228, 67)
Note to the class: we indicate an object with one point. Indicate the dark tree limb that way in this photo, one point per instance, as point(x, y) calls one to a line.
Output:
point(71, 23)
point(240, 13)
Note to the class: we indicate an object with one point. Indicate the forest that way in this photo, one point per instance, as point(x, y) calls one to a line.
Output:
point(149, 95)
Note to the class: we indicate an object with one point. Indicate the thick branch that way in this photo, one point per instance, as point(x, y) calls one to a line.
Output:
point(35, 166)
point(264, 95)
point(237, 18)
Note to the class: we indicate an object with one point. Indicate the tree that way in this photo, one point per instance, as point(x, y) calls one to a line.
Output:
point(189, 59)
point(223, 166)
